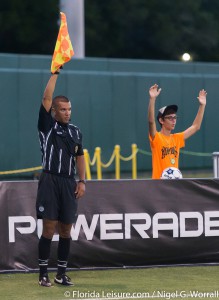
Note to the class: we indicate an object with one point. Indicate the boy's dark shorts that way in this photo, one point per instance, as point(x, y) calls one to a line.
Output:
point(56, 198)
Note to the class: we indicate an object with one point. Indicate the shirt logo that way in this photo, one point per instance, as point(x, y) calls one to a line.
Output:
point(167, 151)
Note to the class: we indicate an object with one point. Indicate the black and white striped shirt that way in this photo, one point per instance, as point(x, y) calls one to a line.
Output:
point(60, 144)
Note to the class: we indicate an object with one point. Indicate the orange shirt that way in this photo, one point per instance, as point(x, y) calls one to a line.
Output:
point(165, 152)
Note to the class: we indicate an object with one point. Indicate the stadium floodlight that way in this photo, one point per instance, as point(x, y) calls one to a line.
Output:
point(186, 57)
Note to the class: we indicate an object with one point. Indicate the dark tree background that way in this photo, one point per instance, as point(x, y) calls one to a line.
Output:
point(146, 29)
point(153, 29)
point(28, 26)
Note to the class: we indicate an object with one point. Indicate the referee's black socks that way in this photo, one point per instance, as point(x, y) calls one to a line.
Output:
point(44, 252)
point(63, 252)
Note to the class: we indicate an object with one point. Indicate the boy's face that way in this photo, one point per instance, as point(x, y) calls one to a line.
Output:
point(169, 121)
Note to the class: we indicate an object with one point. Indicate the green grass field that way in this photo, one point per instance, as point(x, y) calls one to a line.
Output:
point(199, 282)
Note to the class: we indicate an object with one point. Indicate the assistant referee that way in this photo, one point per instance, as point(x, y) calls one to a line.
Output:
point(58, 191)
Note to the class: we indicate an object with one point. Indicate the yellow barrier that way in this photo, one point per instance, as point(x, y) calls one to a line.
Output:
point(99, 164)
point(134, 161)
point(96, 160)
point(115, 155)
point(98, 156)
point(87, 164)
point(20, 171)
point(117, 161)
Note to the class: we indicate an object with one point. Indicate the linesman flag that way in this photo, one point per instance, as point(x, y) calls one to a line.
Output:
point(63, 49)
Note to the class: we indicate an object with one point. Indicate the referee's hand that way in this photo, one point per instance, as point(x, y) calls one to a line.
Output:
point(80, 190)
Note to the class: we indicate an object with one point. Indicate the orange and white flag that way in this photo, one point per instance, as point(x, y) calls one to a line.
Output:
point(63, 49)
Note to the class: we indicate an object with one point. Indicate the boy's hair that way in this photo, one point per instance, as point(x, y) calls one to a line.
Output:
point(166, 110)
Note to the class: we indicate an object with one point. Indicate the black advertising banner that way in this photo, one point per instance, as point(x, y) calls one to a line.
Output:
point(18, 225)
point(121, 223)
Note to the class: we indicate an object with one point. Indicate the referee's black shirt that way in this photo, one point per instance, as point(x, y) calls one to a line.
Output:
point(60, 144)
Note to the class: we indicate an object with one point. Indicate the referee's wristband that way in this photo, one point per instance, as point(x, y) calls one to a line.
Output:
point(56, 73)
point(81, 180)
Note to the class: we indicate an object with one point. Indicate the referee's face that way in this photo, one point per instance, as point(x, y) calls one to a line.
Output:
point(62, 112)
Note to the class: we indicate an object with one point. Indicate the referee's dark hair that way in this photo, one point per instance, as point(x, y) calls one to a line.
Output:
point(59, 99)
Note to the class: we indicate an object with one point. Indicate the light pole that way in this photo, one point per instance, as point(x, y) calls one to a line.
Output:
point(74, 11)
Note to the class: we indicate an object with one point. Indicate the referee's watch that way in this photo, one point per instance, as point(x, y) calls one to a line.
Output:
point(83, 181)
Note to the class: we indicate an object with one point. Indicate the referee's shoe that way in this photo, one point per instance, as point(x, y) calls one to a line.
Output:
point(63, 279)
point(44, 281)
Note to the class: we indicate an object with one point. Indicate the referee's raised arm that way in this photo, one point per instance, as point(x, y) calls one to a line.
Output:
point(49, 90)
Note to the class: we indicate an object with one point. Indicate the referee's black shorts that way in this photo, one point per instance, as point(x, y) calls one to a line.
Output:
point(56, 198)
